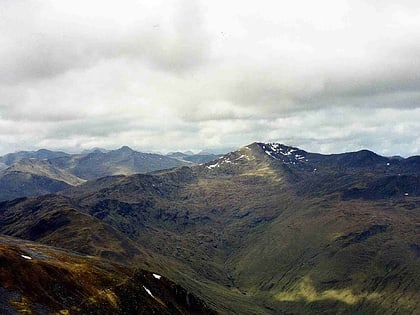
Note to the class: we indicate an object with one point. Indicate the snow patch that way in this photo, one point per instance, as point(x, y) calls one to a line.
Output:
point(26, 257)
point(222, 160)
point(269, 153)
point(157, 276)
point(148, 291)
point(283, 153)
point(213, 166)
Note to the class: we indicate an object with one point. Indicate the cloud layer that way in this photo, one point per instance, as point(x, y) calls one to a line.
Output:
point(328, 76)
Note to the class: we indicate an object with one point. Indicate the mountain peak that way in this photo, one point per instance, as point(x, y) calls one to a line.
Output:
point(94, 150)
point(42, 151)
point(125, 149)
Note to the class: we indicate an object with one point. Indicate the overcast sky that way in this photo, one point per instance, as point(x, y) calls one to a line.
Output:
point(326, 76)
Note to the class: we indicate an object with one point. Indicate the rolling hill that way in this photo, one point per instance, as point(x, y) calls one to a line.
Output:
point(266, 229)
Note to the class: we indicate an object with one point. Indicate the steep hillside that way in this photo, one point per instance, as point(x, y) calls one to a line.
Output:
point(38, 279)
point(16, 184)
point(266, 229)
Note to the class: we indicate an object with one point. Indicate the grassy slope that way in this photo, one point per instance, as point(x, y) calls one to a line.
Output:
point(357, 254)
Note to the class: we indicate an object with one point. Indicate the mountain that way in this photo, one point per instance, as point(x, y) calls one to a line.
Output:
point(123, 161)
point(41, 154)
point(179, 154)
point(42, 172)
point(95, 150)
point(266, 229)
point(43, 168)
point(194, 158)
point(30, 176)
point(202, 158)
point(16, 184)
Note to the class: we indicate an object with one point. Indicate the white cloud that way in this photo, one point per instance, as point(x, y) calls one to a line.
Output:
point(184, 74)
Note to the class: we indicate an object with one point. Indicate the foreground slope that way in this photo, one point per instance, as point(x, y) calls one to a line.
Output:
point(38, 279)
point(271, 229)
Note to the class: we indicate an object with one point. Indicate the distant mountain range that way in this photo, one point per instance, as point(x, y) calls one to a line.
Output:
point(31, 173)
point(266, 229)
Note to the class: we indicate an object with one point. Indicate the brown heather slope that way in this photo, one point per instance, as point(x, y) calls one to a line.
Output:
point(38, 279)
point(269, 229)
point(56, 221)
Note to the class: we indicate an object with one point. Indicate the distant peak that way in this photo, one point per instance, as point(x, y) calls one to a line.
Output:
point(125, 149)
point(203, 152)
point(94, 150)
